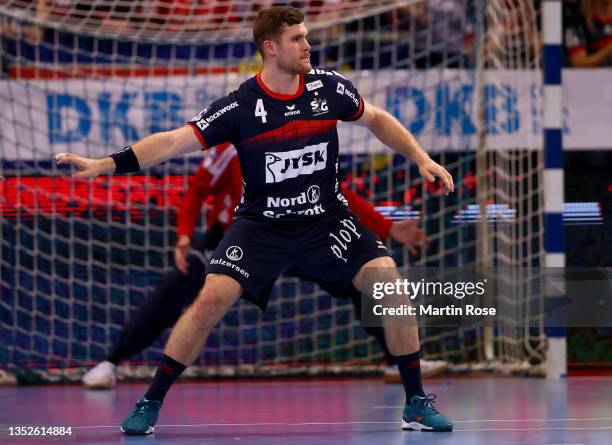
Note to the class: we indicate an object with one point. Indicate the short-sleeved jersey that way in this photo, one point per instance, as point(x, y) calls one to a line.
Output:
point(287, 144)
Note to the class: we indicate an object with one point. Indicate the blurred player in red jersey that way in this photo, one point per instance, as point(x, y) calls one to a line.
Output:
point(219, 177)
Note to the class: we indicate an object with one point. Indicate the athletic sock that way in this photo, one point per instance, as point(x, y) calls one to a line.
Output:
point(410, 371)
point(168, 371)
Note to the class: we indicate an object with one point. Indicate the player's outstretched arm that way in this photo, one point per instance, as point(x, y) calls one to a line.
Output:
point(149, 151)
point(393, 134)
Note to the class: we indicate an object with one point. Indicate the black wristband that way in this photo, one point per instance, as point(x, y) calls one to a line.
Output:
point(126, 161)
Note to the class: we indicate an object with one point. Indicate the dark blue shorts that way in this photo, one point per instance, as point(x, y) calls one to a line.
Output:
point(330, 251)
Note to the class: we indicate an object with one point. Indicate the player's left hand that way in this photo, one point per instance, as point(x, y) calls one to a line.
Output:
point(181, 250)
point(409, 234)
point(86, 167)
point(431, 170)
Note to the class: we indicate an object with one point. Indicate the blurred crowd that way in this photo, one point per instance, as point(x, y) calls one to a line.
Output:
point(426, 34)
point(430, 33)
point(588, 33)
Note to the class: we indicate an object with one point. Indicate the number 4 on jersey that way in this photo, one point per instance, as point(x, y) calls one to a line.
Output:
point(260, 111)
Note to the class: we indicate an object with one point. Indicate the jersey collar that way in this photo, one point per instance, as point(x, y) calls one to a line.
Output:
point(271, 93)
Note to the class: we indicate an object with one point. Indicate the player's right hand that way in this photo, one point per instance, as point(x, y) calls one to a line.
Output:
point(86, 167)
point(431, 170)
point(181, 250)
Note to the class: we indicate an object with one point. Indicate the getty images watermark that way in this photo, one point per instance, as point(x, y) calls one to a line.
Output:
point(508, 297)
point(411, 290)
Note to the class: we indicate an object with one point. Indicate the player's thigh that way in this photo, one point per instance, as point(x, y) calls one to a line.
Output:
point(335, 249)
point(254, 253)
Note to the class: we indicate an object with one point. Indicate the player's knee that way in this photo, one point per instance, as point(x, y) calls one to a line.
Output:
point(383, 261)
point(212, 303)
point(208, 302)
point(381, 269)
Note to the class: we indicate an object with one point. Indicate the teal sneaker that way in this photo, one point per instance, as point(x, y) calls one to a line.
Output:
point(142, 419)
point(421, 415)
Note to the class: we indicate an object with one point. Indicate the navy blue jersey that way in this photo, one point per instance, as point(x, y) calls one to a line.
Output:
point(287, 144)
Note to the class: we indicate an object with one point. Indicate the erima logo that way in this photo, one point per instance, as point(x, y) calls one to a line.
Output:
point(205, 121)
point(233, 253)
point(291, 164)
point(310, 86)
point(292, 111)
point(340, 88)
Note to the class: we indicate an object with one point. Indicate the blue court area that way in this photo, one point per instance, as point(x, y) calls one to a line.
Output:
point(504, 411)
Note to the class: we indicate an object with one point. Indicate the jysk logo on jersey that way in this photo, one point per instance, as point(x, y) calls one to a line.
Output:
point(310, 86)
point(291, 164)
point(319, 106)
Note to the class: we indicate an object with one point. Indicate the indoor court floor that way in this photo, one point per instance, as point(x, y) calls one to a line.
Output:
point(487, 411)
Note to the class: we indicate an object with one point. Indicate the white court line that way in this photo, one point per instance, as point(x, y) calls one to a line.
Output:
point(541, 429)
point(342, 423)
point(593, 419)
point(510, 420)
point(590, 419)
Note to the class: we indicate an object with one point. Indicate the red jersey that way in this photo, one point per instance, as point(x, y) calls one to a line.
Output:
point(218, 181)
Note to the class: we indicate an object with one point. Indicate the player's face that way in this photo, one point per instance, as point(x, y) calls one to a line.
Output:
point(293, 50)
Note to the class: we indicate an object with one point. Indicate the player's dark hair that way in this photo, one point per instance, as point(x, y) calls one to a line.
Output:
point(270, 22)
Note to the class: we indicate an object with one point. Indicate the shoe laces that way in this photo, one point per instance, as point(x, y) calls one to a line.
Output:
point(143, 407)
point(427, 403)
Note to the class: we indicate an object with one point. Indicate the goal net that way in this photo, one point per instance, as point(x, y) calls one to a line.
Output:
point(78, 256)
